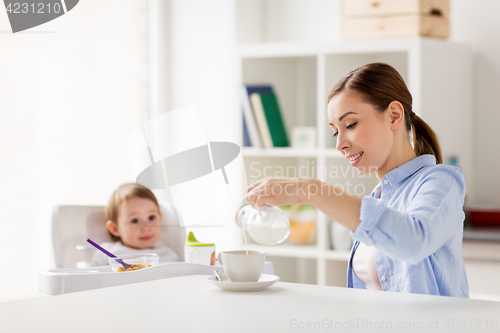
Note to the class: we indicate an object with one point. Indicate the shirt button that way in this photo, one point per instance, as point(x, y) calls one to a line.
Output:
point(386, 181)
point(383, 278)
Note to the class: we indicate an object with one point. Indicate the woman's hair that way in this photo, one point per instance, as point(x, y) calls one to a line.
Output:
point(124, 193)
point(380, 84)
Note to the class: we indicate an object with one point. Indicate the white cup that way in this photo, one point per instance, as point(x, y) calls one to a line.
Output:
point(204, 255)
point(242, 267)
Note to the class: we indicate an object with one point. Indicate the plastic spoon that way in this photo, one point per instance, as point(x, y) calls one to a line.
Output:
point(217, 275)
point(109, 254)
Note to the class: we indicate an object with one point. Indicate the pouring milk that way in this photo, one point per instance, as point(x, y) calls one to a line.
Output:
point(266, 225)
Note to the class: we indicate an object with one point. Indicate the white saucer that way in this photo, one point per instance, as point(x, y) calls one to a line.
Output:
point(265, 281)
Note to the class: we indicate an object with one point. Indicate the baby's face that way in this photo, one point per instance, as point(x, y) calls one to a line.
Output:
point(139, 223)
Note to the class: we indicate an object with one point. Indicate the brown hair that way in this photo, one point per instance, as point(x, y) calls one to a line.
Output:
point(124, 193)
point(380, 84)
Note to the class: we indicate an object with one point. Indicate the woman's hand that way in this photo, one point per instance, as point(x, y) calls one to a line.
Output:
point(333, 201)
point(280, 191)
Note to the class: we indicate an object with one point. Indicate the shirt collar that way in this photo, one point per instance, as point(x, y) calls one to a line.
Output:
point(409, 168)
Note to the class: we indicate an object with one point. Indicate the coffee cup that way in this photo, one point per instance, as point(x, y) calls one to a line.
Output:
point(242, 267)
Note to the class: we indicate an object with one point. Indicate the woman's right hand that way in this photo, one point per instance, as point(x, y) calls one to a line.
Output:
point(280, 191)
point(334, 202)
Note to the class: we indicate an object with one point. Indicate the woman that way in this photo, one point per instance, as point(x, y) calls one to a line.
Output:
point(408, 233)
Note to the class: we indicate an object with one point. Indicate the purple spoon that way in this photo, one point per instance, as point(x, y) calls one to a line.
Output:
point(109, 254)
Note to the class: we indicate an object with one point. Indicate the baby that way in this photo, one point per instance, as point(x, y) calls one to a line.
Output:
point(134, 218)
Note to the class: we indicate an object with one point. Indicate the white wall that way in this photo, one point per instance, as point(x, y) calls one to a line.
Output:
point(477, 23)
point(200, 42)
point(288, 20)
point(71, 91)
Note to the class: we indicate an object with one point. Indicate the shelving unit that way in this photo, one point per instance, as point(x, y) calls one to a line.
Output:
point(438, 74)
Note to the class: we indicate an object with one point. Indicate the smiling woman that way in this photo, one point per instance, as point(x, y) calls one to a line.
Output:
point(409, 231)
point(379, 85)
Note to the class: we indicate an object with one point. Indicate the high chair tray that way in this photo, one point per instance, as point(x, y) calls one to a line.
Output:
point(69, 280)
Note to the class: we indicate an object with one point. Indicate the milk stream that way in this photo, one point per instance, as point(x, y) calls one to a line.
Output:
point(245, 238)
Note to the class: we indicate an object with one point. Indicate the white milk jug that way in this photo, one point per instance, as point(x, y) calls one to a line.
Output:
point(266, 225)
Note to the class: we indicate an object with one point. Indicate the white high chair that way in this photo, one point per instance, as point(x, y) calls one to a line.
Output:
point(72, 225)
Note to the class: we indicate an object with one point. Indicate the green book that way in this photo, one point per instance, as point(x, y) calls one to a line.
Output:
point(274, 120)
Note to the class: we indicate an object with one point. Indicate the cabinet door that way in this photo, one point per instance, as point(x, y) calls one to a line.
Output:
point(483, 277)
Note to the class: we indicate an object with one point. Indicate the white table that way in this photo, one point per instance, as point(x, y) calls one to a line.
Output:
point(192, 304)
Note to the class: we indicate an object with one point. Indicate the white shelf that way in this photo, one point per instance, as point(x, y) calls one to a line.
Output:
point(290, 152)
point(301, 251)
point(333, 153)
point(287, 250)
point(279, 152)
point(337, 255)
point(277, 50)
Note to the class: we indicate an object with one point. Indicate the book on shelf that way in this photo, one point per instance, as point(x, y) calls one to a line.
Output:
point(263, 117)
point(260, 117)
point(246, 136)
point(249, 124)
point(274, 119)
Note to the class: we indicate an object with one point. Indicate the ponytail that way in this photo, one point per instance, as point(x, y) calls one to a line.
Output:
point(380, 84)
point(425, 140)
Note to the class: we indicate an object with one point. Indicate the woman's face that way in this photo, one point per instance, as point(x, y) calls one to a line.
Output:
point(138, 223)
point(363, 134)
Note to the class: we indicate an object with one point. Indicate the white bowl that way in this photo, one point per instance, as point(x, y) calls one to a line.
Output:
point(139, 261)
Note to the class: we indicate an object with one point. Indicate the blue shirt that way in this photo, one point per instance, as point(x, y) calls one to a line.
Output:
point(416, 227)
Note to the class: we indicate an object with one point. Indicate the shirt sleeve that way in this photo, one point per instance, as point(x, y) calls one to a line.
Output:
point(434, 212)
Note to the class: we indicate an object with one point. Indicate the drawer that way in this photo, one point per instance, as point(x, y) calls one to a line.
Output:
point(397, 26)
point(482, 264)
point(481, 251)
point(483, 277)
point(363, 8)
point(484, 217)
